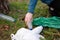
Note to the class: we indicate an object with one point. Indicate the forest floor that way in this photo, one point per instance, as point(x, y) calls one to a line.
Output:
point(18, 11)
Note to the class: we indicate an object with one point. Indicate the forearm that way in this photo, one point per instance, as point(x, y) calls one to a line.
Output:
point(32, 5)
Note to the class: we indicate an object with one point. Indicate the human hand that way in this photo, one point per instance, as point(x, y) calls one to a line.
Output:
point(28, 20)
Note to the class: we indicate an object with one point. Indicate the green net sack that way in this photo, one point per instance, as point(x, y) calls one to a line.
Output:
point(53, 22)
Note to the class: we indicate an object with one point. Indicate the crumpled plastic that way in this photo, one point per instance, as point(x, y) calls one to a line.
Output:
point(53, 22)
point(26, 34)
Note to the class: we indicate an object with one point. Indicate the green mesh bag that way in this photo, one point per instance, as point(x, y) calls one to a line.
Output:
point(53, 22)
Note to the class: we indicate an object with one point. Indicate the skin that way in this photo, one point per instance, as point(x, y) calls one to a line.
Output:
point(28, 18)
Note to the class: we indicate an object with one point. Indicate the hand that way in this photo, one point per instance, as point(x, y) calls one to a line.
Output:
point(28, 18)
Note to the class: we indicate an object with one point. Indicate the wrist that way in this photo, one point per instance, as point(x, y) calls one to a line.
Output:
point(30, 13)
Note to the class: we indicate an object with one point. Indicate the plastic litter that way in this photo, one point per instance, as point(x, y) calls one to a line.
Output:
point(53, 22)
point(8, 18)
point(26, 34)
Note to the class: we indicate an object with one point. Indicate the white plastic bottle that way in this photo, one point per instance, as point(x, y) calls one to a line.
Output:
point(8, 18)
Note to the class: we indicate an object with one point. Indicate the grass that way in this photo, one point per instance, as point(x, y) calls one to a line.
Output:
point(18, 11)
